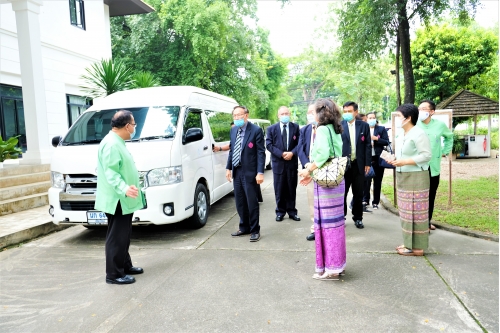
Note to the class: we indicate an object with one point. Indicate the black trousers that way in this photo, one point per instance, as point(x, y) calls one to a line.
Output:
point(377, 183)
point(355, 179)
point(285, 189)
point(246, 198)
point(118, 243)
point(434, 184)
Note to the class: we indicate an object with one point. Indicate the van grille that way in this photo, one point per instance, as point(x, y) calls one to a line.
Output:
point(77, 205)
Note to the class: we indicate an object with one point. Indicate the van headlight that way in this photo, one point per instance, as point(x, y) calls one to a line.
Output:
point(57, 180)
point(165, 176)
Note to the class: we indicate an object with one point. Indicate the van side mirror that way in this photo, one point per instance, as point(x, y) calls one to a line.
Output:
point(193, 134)
point(56, 140)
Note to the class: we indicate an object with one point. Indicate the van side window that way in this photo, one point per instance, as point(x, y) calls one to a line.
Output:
point(193, 120)
point(220, 125)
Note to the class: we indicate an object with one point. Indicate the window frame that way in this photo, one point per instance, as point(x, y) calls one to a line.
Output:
point(69, 105)
point(77, 11)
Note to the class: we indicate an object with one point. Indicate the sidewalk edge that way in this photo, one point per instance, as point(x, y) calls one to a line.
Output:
point(30, 233)
point(458, 230)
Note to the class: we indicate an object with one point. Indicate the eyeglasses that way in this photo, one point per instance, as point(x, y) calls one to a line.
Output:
point(134, 124)
point(422, 109)
point(238, 115)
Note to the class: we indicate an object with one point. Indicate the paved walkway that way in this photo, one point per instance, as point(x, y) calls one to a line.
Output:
point(206, 281)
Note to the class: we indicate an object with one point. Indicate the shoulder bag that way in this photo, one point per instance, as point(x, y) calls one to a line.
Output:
point(383, 163)
point(332, 172)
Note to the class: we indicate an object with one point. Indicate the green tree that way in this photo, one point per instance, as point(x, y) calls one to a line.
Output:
point(144, 79)
point(106, 77)
point(367, 27)
point(446, 57)
point(205, 44)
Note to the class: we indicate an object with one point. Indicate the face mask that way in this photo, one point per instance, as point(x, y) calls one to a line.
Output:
point(311, 119)
point(132, 134)
point(399, 122)
point(239, 122)
point(348, 117)
point(423, 115)
point(285, 119)
point(372, 122)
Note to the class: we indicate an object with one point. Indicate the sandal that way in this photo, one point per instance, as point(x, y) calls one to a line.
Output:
point(400, 247)
point(410, 252)
point(317, 276)
point(329, 277)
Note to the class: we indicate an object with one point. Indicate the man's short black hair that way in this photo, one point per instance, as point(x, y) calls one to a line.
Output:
point(121, 119)
point(351, 103)
point(432, 105)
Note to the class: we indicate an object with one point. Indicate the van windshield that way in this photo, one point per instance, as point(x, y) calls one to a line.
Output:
point(156, 122)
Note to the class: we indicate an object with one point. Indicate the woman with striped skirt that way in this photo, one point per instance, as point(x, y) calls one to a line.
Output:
point(329, 220)
point(413, 153)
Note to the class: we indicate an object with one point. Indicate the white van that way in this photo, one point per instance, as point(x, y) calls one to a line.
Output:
point(172, 149)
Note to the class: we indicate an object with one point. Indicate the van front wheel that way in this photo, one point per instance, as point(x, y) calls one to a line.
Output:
point(201, 207)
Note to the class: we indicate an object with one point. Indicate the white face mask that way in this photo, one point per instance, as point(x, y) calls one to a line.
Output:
point(311, 119)
point(398, 122)
point(423, 115)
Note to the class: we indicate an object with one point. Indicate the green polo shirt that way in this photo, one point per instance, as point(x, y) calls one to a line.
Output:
point(116, 171)
point(436, 129)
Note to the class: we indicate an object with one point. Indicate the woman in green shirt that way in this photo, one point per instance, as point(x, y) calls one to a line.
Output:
point(413, 153)
point(329, 220)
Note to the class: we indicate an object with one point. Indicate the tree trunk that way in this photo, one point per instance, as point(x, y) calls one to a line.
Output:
point(398, 83)
point(404, 39)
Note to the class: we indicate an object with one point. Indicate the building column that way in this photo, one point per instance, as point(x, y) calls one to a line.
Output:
point(35, 107)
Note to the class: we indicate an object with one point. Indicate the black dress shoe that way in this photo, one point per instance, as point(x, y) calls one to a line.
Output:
point(310, 237)
point(295, 217)
point(254, 237)
point(127, 279)
point(239, 233)
point(279, 218)
point(359, 224)
point(134, 270)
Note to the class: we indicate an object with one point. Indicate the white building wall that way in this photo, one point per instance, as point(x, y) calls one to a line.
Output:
point(66, 52)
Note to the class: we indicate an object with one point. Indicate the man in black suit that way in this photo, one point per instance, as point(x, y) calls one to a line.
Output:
point(245, 165)
point(306, 140)
point(357, 147)
point(282, 142)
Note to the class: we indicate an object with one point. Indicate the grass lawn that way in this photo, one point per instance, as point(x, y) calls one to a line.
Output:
point(474, 203)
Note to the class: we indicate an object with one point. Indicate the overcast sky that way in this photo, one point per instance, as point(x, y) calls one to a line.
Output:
point(291, 28)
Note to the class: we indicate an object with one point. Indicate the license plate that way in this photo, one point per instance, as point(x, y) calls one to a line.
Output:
point(97, 218)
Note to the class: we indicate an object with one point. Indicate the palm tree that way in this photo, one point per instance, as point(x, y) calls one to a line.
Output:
point(106, 77)
point(144, 79)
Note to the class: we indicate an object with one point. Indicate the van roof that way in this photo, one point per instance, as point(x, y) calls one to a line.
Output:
point(164, 96)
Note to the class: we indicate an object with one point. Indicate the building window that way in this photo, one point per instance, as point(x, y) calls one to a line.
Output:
point(12, 114)
point(76, 106)
point(77, 13)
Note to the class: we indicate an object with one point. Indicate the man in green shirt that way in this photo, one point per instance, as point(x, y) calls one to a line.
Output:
point(118, 195)
point(435, 130)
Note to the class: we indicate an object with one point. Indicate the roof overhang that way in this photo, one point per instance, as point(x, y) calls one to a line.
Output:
point(127, 7)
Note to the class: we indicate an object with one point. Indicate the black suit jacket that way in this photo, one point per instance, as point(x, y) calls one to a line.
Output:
point(383, 139)
point(274, 143)
point(253, 153)
point(363, 144)
point(305, 144)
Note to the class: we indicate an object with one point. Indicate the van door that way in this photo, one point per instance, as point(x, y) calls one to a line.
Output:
point(196, 152)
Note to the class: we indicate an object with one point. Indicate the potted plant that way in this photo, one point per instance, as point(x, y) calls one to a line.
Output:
point(8, 149)
point(458, 146)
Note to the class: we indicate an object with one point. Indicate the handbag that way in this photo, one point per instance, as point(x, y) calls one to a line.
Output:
point(370, 174)
point(332, 172)
point(383, 163)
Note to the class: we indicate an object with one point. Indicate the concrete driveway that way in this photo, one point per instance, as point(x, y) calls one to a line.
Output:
point(206, 281)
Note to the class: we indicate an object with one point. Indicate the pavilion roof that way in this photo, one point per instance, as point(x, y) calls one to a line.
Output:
point(465, 103)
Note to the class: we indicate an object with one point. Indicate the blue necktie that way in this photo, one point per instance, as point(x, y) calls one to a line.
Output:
point(237, 149)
